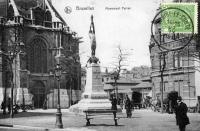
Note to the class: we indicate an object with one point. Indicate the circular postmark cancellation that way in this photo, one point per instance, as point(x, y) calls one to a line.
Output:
point(178, 23)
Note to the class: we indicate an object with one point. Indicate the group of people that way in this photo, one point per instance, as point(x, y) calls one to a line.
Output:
point(128, 106)
point(180, 111)
point(7, 105)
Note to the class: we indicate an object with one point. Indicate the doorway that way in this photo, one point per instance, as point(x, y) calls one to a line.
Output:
point(137, 99)
point(38, 92)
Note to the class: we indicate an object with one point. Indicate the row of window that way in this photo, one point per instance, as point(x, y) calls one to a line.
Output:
point(179, 86)
point(175, 61)
point(40, 16)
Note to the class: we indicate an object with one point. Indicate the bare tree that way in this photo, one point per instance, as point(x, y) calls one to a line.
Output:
point(120, 61)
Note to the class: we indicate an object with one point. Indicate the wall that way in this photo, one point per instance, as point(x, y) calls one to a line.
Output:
point(64, 98)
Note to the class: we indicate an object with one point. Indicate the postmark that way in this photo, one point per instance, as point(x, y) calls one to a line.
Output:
point(179, 18)
point(176, 22)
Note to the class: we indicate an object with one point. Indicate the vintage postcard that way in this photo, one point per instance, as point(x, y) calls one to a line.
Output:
point(99, 65)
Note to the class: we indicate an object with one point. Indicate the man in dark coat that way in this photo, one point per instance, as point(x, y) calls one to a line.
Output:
point(181, 114)
point(128, 107)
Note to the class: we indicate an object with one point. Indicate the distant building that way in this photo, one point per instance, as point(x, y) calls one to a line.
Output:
point(37, 25)
point(144, 87)
point(124, 86)
point(127, 86)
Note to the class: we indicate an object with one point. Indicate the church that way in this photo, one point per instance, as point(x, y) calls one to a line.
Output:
point(32, 32)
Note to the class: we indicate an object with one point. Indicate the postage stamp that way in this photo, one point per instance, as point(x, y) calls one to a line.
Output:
point(179, 18)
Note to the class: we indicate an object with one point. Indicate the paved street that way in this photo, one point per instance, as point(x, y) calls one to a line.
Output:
point(142, 120)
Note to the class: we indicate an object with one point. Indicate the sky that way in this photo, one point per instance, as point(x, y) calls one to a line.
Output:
point(129, 28)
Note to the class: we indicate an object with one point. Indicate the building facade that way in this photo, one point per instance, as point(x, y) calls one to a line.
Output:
point(180, 68)
point(41, 31)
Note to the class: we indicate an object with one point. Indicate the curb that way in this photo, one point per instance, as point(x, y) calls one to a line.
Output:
point(30, 128)
point(24, 127)
point(6, 125)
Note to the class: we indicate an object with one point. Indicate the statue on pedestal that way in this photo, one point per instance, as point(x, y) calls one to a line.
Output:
point(92, 59)
point(94, 97)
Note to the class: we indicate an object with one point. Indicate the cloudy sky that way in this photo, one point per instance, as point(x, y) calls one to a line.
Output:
point(128, 28)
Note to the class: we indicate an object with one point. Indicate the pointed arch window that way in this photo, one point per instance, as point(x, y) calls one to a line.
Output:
point(48, 19)
point(39, 14)
point(10, 14)
point(37, 56)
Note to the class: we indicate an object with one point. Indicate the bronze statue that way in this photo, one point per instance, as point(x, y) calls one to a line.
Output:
point(92, 37)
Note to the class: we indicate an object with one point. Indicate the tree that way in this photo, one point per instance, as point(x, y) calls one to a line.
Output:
point(119, 64)
point(141, 71)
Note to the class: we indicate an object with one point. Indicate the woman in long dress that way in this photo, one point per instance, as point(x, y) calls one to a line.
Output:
point(128, 107)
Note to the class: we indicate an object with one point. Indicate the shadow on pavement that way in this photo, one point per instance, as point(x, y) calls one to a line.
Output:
point(25, 114)
point(103, 125)
point(124, 117)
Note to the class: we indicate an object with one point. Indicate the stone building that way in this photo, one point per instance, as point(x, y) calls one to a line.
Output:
point(123, 85)
point(181, 71)
point(41, 31)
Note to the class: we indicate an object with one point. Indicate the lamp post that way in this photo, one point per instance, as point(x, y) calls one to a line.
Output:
point(58, 76)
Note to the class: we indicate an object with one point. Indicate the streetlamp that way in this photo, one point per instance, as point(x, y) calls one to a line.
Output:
point(58, 74)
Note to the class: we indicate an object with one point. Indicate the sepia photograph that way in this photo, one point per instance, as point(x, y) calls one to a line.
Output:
point(99, 65)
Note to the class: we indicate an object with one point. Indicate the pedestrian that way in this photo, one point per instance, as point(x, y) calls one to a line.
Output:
point(45, 103)
point(128, 107)
point(121, 103)
point(3, 105)
point(181, 114)
point(9, 105)
point(114, 105)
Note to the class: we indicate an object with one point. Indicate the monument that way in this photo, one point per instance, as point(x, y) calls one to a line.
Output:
point(94, 96)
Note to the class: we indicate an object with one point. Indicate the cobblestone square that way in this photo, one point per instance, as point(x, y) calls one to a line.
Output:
point(142, 120)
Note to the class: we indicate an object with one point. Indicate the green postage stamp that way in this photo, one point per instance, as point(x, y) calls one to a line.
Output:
point(179, 18)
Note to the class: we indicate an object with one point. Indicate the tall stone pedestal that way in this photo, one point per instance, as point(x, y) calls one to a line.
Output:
point(94, 97)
